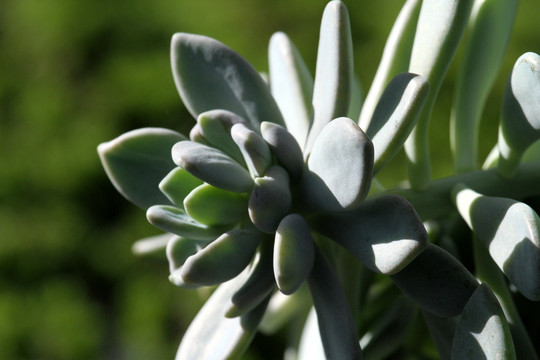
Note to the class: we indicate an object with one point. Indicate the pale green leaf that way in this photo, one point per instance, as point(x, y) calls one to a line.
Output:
point(178, 184)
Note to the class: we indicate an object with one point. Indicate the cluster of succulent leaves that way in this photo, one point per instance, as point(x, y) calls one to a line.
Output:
point(271, 197)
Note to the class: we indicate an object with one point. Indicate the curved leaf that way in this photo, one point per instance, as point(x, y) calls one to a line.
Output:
point(340, 168)
point(334, 70)
point(180, 248)
point(285, 148)
point(212, 166)
point(291, 85)
point(482, 331)
point(510, 230)
point(178, 184)
point(137, 161)
point(209, 75)
point(254, 149)
point(366, 232)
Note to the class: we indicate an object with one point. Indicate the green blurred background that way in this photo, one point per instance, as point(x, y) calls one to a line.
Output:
point(77, 73)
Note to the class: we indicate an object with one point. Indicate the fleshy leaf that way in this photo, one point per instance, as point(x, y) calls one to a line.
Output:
point(340, 168)
point(175, 220)
point(212, 206)
point(180, 248)
point(294, 253)
point(209, 75)
point(510, 230)
point(482, 331)
point(439, 30)
point(254, 149)
point(212, 166)
point(395, 58)
point(395, 116)
point(285, 148)
point(437, 282)
point(291, 85)
point(222, 259)
point(211, 335)
point(336, 324)
point(366, 232)
point(178, 184)
point(137, 161)
point(215, 127)
point(520, 116)
point(258, 285)
point(151, 245)
point(270, 199)
point(334, 70)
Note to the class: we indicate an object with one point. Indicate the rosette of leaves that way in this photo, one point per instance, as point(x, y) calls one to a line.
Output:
point(271, 191)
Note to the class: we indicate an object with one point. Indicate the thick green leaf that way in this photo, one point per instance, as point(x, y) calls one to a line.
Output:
point(258, 285)
point(395, 116)
point(482, 331)
point(222, 259)
point(178, 184)
point(340, 168)
point(176, 221)
point(137, 161)
point(510, 230)
point(215, 127)
point(212, 206)
point(437, 282)
point(285, 148)
point(180, 248)
point(209, 75)
point(212, 166)
point(336, 324)
point(212, 336)
point(291, 85)
point(489, 30)
point(385, 234)
point(294, 253)
point(395, 58)
point(151, 245)
point(334, 70)
point(254, 149)
point(440, 27)
point(270, 199)
point(520, 117)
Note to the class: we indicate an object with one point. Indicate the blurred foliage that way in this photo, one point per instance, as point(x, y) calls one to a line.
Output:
point(74, 74)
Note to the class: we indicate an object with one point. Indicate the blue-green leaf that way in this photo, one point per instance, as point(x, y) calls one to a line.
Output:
point(254, 149)
point(366, 232)
point(285, 148)
point(209, 75)
point(482, 331)
point(212, 166)
point(334, 70)
point(291, 85)
point(137, 161)
point(340, 168)
point(180, 248)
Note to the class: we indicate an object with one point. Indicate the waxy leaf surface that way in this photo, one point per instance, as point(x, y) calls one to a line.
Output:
point(256, 153)
point(285, 148)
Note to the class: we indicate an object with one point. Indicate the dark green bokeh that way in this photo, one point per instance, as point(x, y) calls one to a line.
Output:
point(74, 74)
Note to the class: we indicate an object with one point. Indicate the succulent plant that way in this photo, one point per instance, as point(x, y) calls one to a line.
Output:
point(270, 196)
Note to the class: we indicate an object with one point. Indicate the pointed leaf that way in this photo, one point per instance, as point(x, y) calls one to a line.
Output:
point(222, 259)
point(270, 199)
point(334, 70)
point(520, 117)
point(366, 233)
point(211, 335)
point(437, 282)
point(178, 184)
point(482, 331)
point(212, 206)
point(209, 75)
point(395, 116)
point(216, 127)
point(340, 168)
point(137, 161)
point(212, 166)
point(151, 245)
point(336, 324)
point(291, 85)
point(285, 148)
point(175, 220)
point(294, 253)
point(254, 149)
point(510, 230)
point(395, 58)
